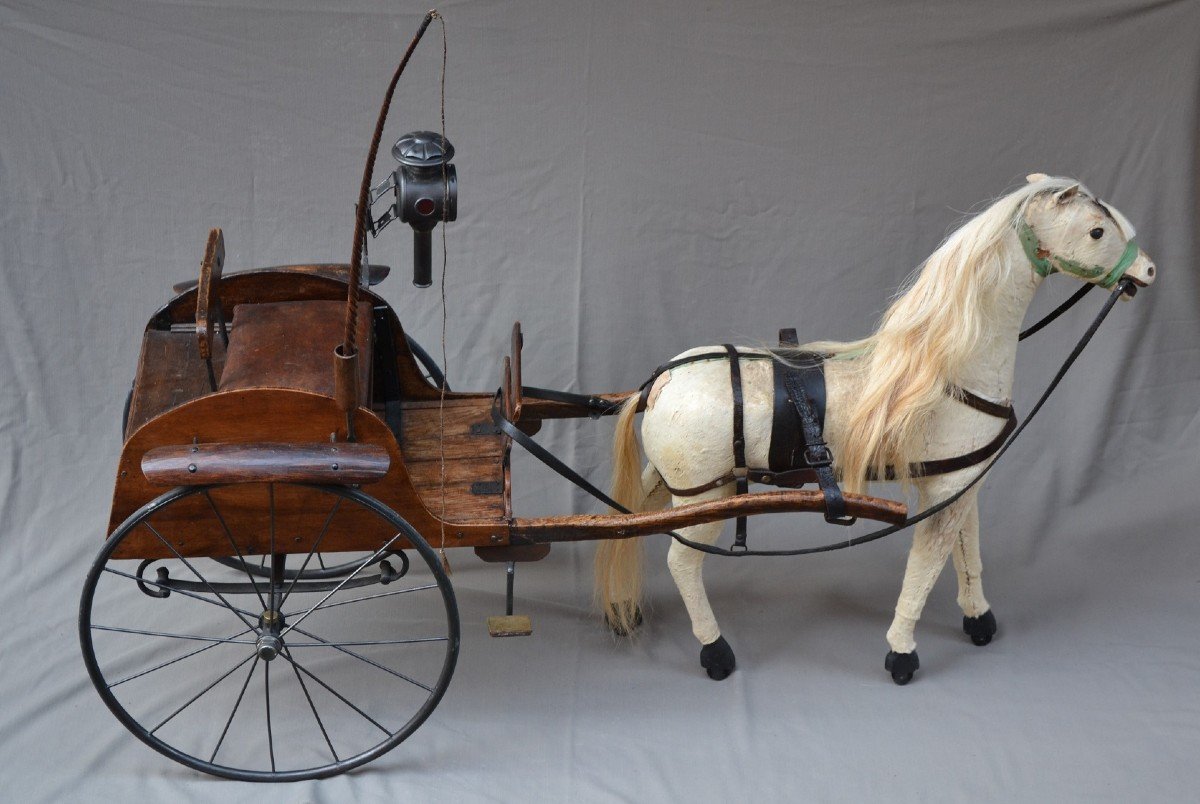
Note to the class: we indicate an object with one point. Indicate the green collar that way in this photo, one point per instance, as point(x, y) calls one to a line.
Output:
point(1044, 266)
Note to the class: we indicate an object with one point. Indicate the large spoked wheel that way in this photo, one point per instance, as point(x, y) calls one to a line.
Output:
point(280, 678)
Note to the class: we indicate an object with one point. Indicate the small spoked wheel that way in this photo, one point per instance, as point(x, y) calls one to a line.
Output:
point(242, 666)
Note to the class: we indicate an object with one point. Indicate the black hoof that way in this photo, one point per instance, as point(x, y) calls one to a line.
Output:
point(614, 623)
point(717, 659)
point(901, 666)
point(980, 629)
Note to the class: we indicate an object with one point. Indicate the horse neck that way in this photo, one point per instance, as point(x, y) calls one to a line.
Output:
point(989, 371)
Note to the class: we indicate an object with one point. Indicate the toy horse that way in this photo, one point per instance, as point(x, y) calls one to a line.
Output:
point(934, 381)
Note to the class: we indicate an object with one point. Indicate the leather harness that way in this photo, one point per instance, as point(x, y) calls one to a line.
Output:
point(798, 453)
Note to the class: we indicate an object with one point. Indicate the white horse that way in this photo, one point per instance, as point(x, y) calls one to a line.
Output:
point(956, 324)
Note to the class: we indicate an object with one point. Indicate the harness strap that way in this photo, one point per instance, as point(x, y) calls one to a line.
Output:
point(739, 440)
point(816, 451)
point(596, 406)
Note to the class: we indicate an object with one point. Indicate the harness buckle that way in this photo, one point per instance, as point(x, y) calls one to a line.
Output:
point(818, 456)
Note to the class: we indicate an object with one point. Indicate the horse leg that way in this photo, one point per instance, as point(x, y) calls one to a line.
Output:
point(932, 542)
point(979, 623)
point(686, 565)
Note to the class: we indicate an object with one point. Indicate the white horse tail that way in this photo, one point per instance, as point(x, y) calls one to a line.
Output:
point(618, 570)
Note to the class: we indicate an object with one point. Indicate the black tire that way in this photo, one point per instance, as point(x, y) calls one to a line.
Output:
point(133, 625)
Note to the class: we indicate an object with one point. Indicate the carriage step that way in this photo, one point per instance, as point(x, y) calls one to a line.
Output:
point(509, 625)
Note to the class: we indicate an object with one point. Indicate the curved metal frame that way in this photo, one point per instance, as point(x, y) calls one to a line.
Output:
point(403, 530)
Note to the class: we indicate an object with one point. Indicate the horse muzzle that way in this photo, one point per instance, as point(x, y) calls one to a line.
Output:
point(1143, 272)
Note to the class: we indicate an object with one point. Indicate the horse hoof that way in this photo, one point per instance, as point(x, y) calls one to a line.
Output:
point(901, 666)
point(614, 622)
point(980, 629)
point(717, 659)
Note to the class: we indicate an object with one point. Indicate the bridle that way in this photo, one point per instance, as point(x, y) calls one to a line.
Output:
point(1045, 265)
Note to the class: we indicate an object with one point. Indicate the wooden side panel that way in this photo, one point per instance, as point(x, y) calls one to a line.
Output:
point(170, 372)
point(475, 456)
point(281, 416)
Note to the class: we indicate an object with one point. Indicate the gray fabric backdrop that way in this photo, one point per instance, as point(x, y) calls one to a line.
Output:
point(638, 178)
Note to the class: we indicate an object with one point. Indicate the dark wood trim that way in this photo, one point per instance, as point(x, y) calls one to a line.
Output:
point(202, 464)
point(339, 271)
point(208, 302)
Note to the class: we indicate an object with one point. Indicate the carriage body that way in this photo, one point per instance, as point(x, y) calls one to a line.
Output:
point(173, 404)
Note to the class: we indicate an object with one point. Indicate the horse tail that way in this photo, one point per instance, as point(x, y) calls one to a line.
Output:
point(618, 568)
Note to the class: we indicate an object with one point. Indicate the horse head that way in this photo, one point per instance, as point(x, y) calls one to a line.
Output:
point(1069, 230)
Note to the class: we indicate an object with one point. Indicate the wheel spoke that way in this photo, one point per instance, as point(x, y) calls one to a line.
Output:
point(233, 544)
point(313, 707)
point(334, 692)
point(183, 592)
point(308, 558)
point(167, 635)
point(203, 580)
point(271, 507)
point(341, 647)
point(267, 694)
point(236, 704)
point(210, 646)
point(345, 581)
point(375, 596)
point(196, 697)
point(413, 641)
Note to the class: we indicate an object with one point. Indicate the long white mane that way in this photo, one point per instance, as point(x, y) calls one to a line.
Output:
point(927, 336)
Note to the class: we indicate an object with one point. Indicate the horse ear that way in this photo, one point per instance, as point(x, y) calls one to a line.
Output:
point(1034, 178)
point(1063, 196)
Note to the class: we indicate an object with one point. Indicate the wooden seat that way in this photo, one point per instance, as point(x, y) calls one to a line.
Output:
point(290, 345)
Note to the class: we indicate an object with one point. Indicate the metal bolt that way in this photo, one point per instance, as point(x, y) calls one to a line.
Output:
point(495, 537)
point(334, 467)
point(192, 468)
point(268, 647)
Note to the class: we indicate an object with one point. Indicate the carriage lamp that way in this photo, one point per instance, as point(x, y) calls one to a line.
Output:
point(424, 193)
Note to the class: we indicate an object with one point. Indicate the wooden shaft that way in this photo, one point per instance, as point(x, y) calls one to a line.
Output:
point(624, 526)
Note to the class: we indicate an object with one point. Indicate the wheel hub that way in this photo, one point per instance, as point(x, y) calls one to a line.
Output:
point(268, 646)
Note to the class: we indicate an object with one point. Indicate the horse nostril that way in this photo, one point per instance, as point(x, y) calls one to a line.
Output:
point(1150, 271)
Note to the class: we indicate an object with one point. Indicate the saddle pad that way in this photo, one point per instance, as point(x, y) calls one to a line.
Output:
point(290, 345)
point(787, 437)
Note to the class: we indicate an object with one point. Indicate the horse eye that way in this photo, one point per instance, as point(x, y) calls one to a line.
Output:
point(1097, 233)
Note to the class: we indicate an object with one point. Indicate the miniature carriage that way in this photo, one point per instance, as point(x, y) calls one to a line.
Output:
point(294, 466)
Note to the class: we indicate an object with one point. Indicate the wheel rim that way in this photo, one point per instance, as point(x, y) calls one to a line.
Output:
point(272, 680)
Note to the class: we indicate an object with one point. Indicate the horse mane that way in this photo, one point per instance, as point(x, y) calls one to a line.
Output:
point(926, 338)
